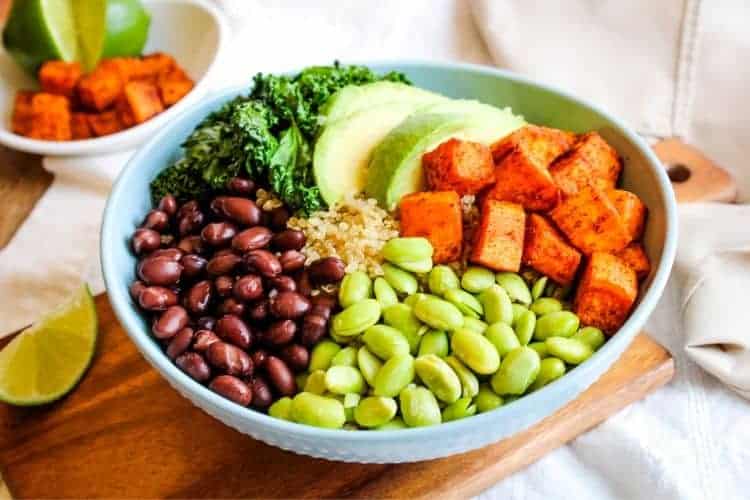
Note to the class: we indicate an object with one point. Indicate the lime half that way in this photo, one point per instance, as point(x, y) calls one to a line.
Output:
point(46, 360)
point(39, 30)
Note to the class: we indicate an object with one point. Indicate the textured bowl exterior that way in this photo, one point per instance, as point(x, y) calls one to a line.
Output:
point(193, 31)
point(540, 104)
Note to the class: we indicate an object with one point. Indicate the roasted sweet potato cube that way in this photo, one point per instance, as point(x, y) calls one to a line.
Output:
point(99, 89)
point(635, 256)
point(128, 68)
point(498, 242)
point(156, 63)
point(591, 160)
point(631, 210)
point(607, 292)
point(591, 222)
point(123, 112)
point(520, 178)
point(435, 215)
point(173, 85)
point(50, 117)
point(60, 77)
point(79, 126)
point(545, 250)
point(543, 143)
point(105, 123)
point(143, 100)
point(21, 118)
point(462, 166)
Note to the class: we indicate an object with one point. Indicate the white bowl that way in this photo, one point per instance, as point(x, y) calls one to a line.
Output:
point(192, 31)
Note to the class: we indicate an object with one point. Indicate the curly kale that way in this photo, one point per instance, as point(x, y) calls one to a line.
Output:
point(268, 134)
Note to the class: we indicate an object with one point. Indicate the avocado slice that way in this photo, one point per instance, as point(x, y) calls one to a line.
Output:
point(343, 150)
point(354, 98)
point(396, 166)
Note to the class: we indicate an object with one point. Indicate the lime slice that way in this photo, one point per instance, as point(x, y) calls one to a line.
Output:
point(39, 30)
point(46, 360)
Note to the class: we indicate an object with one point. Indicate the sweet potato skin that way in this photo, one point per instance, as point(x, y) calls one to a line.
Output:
point(543, 143)
point(99, 89)
point(435, 215)
point(79, 126)
point(60, 77)
point(157, 63)
point(634, 255)
point(498, 242)
point(631, 209)
point(520, 179)
point(591, 222)
point(607, 292)
point(50, 117)
point(142, 100)
point(173, 85)
point(545, 250)
point(590, 161)
point(462, 166)
point(21, 118)
point(105, 123)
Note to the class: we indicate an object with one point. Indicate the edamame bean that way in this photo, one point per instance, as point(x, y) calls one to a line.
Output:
point(340, 339)
point(316, 382)
point(411, 253)
point(375, 411)
point(462, 408)
point(538, 289)
point(486, 399)
point(540, 348)
point(301, 379)
point(345, 357)
point(369, 364)
point(545, 305)
point(502, 337)
point(395, 374)
point(419, 407)
point(476, 351)
point(465, 302)
point(590, 335)
point(439, 377)
point(322, 354)
point(572, 351)
point(434, 342)
point(556, 324)
point(438, 313)
point(355, 287)
point(350, 401)
point(441, 279)
point(525, 327)
point(518, 309)
point(517, 372)
point(344, 379)
point(402, 318)
point(318, 411)
point(515, 286)
point(477, 279)
point(385, 341)
point(497, 305)
point(356, 318)
point(469, 381)
point(413, 298)
point(384, 293)
point(396, 423)
point(282, 408)
point(474, 324)
point(550, 369)
point(400, 280)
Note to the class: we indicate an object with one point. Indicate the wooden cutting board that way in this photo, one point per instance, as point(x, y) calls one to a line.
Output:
point(125, 433)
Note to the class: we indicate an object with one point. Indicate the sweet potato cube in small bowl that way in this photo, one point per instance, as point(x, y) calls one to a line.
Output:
point(591, 222)
point(435, 215)
point(635, 256)
point(544, 143)
point(105, 123)
point(607, 292)
point(60, 77)
point(79, 126)
point(21, 118)
point(50, 117)
point(631, 209)
point(99, 89)
point(142, 100)
point(591, 161)
point(498, 242)
point(545, 250)
point(462, 166)
point(173, 85)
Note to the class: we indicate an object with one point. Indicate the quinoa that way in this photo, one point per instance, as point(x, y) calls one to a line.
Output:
point(353, 230)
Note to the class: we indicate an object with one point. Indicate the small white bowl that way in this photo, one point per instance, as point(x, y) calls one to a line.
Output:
point(194, 32)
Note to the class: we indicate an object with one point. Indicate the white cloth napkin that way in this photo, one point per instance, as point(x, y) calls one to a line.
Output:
point(669, 68)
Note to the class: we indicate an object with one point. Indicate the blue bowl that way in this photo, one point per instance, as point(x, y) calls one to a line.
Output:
point(540, 104)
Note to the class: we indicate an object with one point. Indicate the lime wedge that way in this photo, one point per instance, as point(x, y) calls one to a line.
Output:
point(46, 360)
point(39, 30)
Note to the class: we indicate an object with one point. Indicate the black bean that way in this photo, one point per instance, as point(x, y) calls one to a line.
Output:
point(230, 305)
point(179, 343)
point(262, 395)
point(157, 220)
point(263, 262)
point(198, 297)
point(170, 322)
point(240, 210)
point(193, 265)
point(194, 365)
point(232, 329)
point(280, 332)
point(223, 263)
point(159, 271)
point(174, 254)
point(291, 261)
point(280, 376)
point(232, 388)
point(314, 328)
point(145, 241)
point(238, 185)
point(278, 218)
point(224, 286)
point(192, 244)
point(289, 239)
point(218, 234)
point(204, 339)
point(229, 359)
point(248, 287)
point(327, 270)
point(289, 305)
point(296, 357)
point(168, 205)
point(283, 283)
point(252, 239)
point(156, 298)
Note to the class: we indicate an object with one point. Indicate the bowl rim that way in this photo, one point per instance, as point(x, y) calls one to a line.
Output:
point(554, 391)
point(129, 138)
